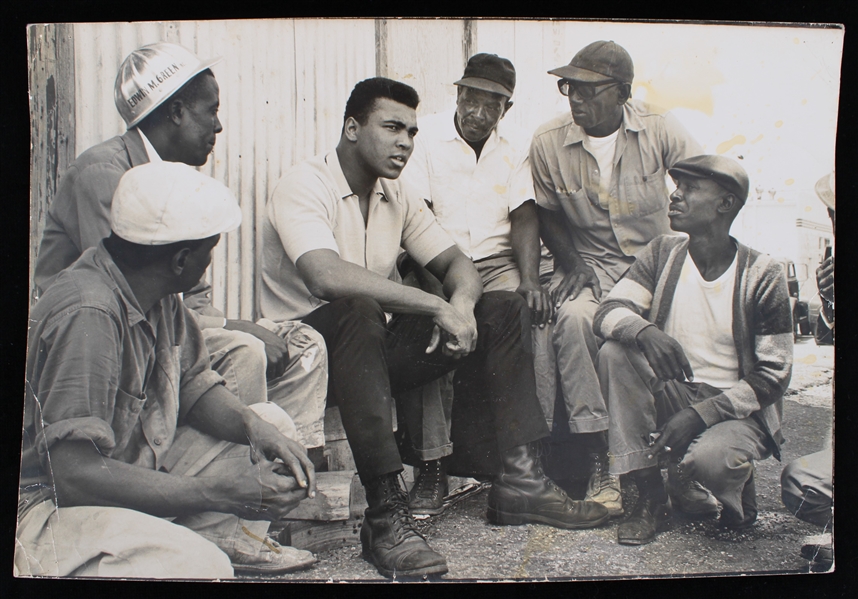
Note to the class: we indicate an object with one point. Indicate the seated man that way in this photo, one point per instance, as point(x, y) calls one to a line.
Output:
point(331, 238)
point(806, 482)
point(698, 353)
point(125, 423)
point(473, 171)
point(177, 121)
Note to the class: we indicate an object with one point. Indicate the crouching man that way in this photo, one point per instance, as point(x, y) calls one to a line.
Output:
point(127, 427)
point(331, 237)
point(699, 354)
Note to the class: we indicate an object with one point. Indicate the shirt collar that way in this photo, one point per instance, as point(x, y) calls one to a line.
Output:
point(103, 259)
point(150, 149)
point(448, 131)
point(333, 162)
point(631, 122)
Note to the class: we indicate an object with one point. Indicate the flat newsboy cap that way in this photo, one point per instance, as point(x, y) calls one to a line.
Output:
point(597, 62)
point(489, 72)
point(163, 202)
point(726, 172)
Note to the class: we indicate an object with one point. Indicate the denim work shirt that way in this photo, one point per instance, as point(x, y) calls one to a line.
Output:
point(101, 371)
point(566, 176)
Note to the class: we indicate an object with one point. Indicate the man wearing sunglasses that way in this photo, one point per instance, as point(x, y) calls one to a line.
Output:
point(603, 166)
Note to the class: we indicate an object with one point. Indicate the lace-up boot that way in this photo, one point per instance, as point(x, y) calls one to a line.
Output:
point(429, 490)
point(688, 495)
point(389, 535)
point(603, 487)
point(521, 493)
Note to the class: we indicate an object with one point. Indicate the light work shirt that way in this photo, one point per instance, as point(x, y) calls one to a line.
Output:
point(472, 199)
point(313, 207)
point(99, 370)
point(566, 177)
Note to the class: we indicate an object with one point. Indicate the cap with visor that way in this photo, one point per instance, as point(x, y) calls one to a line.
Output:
point(727, 173)
point(150, 75)
point(599, 62)
point(489, 72)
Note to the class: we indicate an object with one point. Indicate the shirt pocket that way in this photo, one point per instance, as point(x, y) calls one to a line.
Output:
point(126, 415)
point(645, 194)
point(578, 207)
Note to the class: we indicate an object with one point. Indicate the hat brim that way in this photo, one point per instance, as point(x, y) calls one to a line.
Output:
point(484, 84)
point(200, 68)
point(725, 181)
point(579, 74)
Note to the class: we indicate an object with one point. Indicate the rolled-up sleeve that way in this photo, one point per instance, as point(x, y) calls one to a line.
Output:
point(422, 237)
point(77, 387)
point(301, 211)
point(520, 184)
point(543, 186)
point(197, 376)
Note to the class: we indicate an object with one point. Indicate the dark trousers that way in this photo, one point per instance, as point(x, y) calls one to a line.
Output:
point(369, 360)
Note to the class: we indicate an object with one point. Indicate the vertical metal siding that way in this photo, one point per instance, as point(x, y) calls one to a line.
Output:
point(283, 87)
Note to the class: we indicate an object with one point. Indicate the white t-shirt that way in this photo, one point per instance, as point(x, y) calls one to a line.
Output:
point(701, 320)
point(603, 149)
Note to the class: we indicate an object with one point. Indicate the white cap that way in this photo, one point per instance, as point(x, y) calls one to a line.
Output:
point(825, 190)
point(150, 75)
point(164, 202)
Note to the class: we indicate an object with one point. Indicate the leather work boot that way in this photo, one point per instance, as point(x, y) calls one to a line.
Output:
point(688, 495)
point(429, 490)
point(389, 535)
point(521, 493)
point(730, 519)
point(603, 487)
point(650, 516)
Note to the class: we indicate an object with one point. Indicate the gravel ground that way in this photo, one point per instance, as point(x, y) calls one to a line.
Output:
point(476, 550)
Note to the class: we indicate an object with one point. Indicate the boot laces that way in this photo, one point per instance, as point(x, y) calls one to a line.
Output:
point(429, 481)
point(404, 524)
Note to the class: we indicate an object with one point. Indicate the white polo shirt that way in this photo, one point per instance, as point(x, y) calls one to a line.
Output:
point(471, 199)
point(313, 207)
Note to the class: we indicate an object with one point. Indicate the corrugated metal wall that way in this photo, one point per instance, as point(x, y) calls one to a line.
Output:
point(283, 87)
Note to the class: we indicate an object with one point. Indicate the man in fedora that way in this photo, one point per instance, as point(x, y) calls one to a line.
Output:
point(169, 99)
point(599, 177)
point(471, 168)
point(698, 353)
point(137, 461)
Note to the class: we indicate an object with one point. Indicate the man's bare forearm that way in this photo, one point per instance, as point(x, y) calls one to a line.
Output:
point(82, 476)
point(328, 277)
point(557, 238)
point(525, 241)
point(462, 283)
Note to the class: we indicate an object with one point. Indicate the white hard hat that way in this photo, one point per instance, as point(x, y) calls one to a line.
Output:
point(150, 75)
point(163, 202)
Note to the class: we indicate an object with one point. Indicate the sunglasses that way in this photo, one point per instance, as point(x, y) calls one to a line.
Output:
point(586, 91)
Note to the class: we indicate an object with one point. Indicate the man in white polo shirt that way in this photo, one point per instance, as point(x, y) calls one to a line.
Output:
point(331, 238)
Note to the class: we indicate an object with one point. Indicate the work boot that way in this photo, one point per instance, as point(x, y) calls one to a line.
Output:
point(389, 535)
point(730, 519)
point(688, 495)
point(603, 487)
point(429, 490)
point(521, 493)
point(650, 516)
